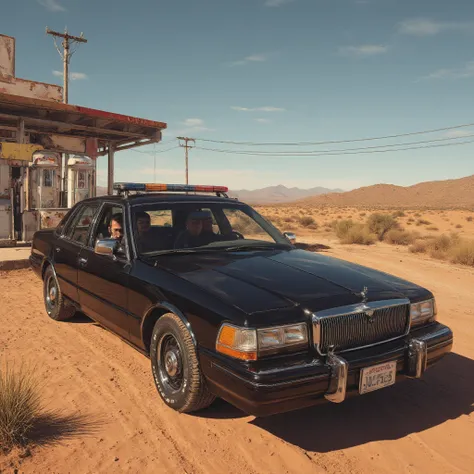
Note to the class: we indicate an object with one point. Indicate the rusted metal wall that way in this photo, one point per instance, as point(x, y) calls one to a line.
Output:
point(51, 217)
point(32, 89)
point(7, 57)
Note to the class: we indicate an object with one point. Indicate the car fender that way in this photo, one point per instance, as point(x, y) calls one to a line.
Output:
point(168, 308)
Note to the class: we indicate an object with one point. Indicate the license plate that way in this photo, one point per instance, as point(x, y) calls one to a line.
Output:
point(377, 376)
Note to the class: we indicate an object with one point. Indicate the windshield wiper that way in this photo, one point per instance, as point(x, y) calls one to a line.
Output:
point(246, 248)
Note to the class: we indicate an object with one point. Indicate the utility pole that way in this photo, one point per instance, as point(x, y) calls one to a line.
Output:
point(186, 146)
point(68, 41)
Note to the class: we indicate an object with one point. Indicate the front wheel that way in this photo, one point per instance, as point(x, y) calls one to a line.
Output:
point(175, 366)
point(53, 298)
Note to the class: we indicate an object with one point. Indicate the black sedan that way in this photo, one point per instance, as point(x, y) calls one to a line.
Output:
point(225, 305)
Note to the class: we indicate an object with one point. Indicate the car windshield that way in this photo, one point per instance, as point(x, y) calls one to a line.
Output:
point(201, 226)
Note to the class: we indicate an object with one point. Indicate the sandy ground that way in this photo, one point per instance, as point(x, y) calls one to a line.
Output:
point(106, 415)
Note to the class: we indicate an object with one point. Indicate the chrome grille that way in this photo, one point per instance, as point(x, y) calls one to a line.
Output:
point(360, 325)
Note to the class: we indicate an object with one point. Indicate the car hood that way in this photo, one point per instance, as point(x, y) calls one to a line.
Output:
point(258, 281)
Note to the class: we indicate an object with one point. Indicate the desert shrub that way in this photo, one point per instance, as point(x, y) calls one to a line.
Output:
point(411, 220)
point(422, 222)
point(459, 226)
point(288, 219)
point(469, 219)
point(307, 221)
point(432, 228)
point(417, 214)
point(398, 214)
point(400, 237)
point(419, 246)
point(342, 227)
point(339, 217)
point(20, 404)
point(380, 224)
point(358, 234)
point(362, 214)
point(463, 253)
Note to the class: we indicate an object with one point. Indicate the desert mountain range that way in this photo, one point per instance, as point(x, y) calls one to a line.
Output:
point(450, 193)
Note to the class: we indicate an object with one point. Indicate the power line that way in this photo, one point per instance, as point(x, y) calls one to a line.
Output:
point(434, 130)
point(152, 153)
point(313, 152)
point(237, 152)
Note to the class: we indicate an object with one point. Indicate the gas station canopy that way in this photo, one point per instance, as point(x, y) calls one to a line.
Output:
point(44, 117)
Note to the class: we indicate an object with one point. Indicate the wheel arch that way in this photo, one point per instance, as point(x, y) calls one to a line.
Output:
point(46, 263)
point(154, 314)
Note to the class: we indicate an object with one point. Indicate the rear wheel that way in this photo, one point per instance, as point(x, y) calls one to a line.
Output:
point(53, 298)
point(175, 366)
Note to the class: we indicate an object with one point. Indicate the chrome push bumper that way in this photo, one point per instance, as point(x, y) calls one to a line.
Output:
point(415, 366)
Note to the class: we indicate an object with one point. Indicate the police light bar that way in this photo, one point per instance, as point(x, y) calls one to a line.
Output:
point(158, 187)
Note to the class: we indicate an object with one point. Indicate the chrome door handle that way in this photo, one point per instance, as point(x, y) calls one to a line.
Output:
point(58, 249)
point(83, 261)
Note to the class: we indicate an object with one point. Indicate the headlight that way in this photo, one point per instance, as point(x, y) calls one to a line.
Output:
point(423, 312)
point(248, 344)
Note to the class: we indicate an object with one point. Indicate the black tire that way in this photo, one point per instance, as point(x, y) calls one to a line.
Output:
point(54, 303)
point(175, 366)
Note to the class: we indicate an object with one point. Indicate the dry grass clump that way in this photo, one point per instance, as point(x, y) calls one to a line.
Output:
point(459, 226)
point(447, 247)
point(307, 221)
point(432, 228)
point(400, 237)
point(422, 222)
point(351, 233)
point(380, 224)
point(469, 219)
point(398, 214)
point(20, 404)
point(463, 253)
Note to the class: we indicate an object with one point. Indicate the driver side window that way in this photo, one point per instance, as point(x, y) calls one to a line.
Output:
point(110, 225)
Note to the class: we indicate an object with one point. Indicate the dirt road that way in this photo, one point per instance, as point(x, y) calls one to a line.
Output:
point(107, 416)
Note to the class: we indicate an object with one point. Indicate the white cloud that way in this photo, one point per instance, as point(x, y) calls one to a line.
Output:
point(74, 76)
point(464, 72)
point(190, 126)
point(253, 58)
point(429, 27)
point(363, 50)
point(258, 109)
point(276, 3)
point(52, 5)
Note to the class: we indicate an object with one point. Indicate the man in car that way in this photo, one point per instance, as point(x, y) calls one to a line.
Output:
point(116, 232)
point(145, 239)
point(207, 234)
point(192, 237)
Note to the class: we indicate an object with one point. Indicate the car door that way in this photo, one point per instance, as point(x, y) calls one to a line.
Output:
point(68, 245)
point(103, 280)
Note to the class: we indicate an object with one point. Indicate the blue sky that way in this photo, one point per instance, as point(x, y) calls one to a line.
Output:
point(267, 71)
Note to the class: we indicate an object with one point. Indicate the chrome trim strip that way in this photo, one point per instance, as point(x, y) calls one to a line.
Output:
point(339, 369)
point(354, 309)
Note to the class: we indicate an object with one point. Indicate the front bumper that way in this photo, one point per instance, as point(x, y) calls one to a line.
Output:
point(279, 388)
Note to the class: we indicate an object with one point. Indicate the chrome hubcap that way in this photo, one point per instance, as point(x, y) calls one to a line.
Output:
point(53, 292)
point(171, 363)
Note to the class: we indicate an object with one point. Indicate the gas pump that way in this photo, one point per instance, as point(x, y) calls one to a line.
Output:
point(44, 180)
point(80, 179)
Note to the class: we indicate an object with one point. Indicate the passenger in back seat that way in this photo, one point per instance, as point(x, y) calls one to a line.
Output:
point(145, 239)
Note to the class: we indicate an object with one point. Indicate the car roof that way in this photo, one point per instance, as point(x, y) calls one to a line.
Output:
point(151, 198)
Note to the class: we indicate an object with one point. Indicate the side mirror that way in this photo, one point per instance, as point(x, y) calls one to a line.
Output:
point(105, 247)
point(290, 236)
